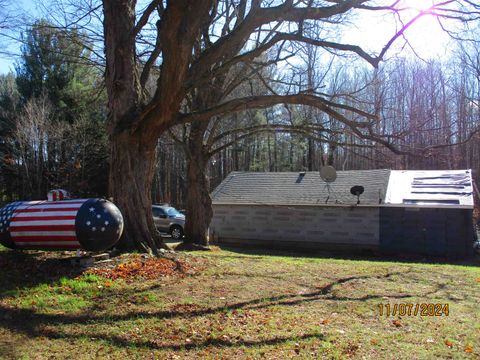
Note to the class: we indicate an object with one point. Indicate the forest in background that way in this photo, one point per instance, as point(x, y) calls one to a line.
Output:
point(430, 108)
point(53, 119)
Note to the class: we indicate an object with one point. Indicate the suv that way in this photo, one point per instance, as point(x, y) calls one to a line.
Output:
point(168, 219)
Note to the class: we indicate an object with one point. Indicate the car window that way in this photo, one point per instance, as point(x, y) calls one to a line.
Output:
point(157, 212)
point(172, 211)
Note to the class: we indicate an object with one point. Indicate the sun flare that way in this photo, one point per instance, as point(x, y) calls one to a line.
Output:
point(417, 5)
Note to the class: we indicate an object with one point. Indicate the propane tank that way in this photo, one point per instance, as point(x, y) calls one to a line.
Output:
point(85, 224)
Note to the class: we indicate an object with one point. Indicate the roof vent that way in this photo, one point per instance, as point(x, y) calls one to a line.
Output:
point(301, 175)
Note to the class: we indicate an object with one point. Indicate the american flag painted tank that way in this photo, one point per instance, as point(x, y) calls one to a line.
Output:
point(90, 224)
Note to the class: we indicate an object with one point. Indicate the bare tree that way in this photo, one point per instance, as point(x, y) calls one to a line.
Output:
point(226, 30)
point(31, 134)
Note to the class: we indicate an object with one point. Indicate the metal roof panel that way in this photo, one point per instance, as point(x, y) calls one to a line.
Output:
point(447, 187)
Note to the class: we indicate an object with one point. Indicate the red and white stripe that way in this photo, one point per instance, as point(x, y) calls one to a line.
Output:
point(45, 224)
point(58, 194)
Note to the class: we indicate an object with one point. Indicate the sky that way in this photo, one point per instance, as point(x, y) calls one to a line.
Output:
point(425, 36)
point(7, 62)
point(372, 32)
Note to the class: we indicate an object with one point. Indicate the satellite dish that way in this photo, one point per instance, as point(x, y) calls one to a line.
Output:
point(328, 173)
point(357, 190)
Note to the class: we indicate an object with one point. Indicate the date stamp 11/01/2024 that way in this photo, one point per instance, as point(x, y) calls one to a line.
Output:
point(410, 309)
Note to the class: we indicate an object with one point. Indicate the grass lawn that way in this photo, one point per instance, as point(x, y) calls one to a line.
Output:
point(237, 305)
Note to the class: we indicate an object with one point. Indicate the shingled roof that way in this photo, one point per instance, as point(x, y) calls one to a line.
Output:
point(291, 188)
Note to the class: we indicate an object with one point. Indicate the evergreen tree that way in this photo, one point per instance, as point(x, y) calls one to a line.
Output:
point(67, 148)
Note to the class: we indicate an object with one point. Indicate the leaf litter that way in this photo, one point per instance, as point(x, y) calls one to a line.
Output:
point(150, 268)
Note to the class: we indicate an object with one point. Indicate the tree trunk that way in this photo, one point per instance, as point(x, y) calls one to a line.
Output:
point(311, 155)
point(130, 184)
point(132, 155)
point(198, 202)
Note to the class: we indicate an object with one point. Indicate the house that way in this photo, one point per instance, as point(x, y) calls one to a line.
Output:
point(419, 212)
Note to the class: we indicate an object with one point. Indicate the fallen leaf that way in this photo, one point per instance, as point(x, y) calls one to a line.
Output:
point(448, 343)
point(468, 349)
point(151, 268)
point(397, 323)
point(325, 322)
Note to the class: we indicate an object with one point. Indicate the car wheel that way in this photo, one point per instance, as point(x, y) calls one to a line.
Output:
point(176, 232)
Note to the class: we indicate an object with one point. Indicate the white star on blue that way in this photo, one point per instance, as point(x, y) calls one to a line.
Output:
point(6, 216)
point(100, 220)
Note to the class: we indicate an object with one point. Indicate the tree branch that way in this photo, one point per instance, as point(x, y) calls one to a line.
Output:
point(266, 130)
point(152, 58)
point(262, 102)
point(259, 16)
point(145, 16)
point(269, 127)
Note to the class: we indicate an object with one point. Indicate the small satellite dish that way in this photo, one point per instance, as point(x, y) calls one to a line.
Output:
point(357, 190)
point(328, 173)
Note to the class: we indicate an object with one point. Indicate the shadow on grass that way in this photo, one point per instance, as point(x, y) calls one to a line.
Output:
point(258, 253)
point(30, 323)
point(33, 324)
point(26, 269)
point(159, 344)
